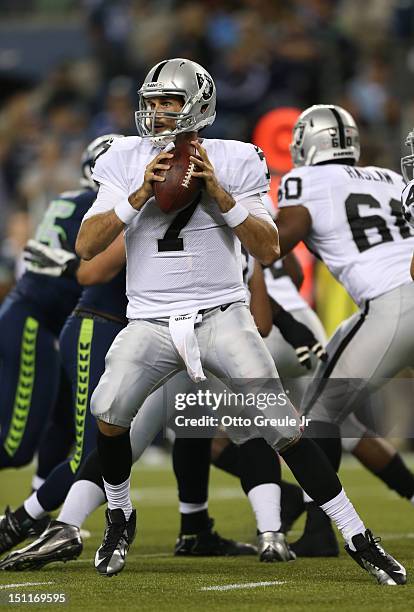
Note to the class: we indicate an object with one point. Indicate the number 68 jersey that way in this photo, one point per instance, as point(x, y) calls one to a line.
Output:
point(358, 229)
point(183, 262)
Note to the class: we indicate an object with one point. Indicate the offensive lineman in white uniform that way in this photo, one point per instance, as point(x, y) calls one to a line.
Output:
point(171, 281)
point(351, 218)
point(375, 453)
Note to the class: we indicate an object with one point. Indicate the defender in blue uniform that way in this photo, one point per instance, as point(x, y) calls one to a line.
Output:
point(31, 319)
point(84, 342)
point(85, 339)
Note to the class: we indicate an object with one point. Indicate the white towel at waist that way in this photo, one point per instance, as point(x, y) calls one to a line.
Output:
point(185, 341)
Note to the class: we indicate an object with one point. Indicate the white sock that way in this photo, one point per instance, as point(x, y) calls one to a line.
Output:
point(306, 498)
point(37, 482)
point(412, 499)
point(118, 496)
point(265, 501)
point(82, 499)
point(344, 515)
point(186, 508)
point(33, 507)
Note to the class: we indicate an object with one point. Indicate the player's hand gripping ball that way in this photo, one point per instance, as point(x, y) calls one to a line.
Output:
point(180, 188)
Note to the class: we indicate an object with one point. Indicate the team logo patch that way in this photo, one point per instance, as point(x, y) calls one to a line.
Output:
point(208, 91)
point(299, 131)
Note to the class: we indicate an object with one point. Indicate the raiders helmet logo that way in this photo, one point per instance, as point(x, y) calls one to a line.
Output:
point(208, 91)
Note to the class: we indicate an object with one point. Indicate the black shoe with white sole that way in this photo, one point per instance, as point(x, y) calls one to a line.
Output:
point(373, 558)
point(119, 535)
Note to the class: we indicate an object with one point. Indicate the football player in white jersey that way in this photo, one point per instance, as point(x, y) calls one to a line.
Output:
point(60, 541)
point(187, 305)
point(375, 453)
point(350, 217)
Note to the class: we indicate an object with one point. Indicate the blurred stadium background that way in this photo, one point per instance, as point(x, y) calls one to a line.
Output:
point(69, 71)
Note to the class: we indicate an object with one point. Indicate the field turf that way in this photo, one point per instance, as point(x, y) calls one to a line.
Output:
point(154, 580)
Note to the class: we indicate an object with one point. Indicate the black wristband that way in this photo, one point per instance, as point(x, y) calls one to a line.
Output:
point(72, 268)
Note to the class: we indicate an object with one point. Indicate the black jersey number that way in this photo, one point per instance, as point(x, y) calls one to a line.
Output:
point(361, 225)
point(291, 189)
point(263, 159)
point(171, 240)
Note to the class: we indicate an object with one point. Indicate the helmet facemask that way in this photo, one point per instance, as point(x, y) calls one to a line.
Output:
point(407, 162)
point(146, 118)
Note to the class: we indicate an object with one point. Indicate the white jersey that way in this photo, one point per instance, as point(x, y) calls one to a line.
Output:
point(180, 263)
point(357, 227)
point(282, 289)
point(279, 285)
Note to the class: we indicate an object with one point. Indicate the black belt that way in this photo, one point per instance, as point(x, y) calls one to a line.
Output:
point(223, 307)
point(84, 313)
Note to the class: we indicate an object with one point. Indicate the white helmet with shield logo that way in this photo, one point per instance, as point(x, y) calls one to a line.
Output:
point(177, 77)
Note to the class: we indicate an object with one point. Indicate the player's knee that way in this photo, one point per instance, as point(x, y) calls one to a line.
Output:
point(100, 403)
point(109, 429)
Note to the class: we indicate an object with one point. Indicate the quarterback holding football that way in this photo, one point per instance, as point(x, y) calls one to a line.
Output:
point(187, 305)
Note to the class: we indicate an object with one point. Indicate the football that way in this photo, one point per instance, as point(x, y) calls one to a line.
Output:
point(179, 188)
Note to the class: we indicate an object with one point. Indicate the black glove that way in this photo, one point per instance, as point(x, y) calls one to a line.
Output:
point(300, 337)
point(42, 259)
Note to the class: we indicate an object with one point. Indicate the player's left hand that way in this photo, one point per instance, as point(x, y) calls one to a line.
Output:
point(205, 170)
point(42, 259)
point(301, 338)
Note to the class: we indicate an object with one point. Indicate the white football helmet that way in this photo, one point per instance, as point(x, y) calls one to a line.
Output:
point(91, 154)
point(407, 162)
point(178, 77)
point(323, 133)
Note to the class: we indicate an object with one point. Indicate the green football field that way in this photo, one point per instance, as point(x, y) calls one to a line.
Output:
point(154, 580)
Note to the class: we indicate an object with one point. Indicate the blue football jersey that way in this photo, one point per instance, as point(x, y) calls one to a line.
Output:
point(107, 298)
point(55, 298)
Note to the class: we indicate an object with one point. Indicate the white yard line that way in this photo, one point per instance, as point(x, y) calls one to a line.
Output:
point(23, 584)
point(244, 585)
point(397, 536)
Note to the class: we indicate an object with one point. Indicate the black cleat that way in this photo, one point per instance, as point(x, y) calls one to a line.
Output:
point(292, 505)
point(318, 539)
point(12, 532)
point(59, 542)
point(118, 537)
point(373, 558)
point(209, 543)
point(273, 547)
point(39, 526)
